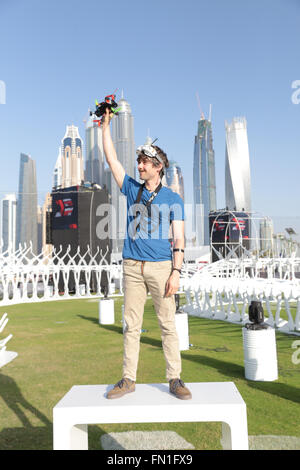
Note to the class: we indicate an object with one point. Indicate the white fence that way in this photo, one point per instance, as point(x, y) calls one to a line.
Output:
point(224, 290)
point(25, 277)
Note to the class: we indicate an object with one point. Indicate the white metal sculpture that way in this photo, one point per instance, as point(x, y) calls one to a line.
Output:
point(221, 290)
point(5, 356)
point(25, 277)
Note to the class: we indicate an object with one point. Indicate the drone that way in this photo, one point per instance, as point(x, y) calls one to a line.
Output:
point(110, 103)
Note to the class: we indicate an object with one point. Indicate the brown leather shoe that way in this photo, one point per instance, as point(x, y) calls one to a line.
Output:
point(178, 388)
point(121, 388)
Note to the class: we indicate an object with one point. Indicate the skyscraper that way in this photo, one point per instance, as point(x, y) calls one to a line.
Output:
point(173, 178)
point(46, 210)
point(57, 174)
point(39, 229)
point(27, 203)
point(72, 158)
point(204, 181)
point(123, 139)
point(266, 235)
point(94, 162)
point(8, 207)
point(237, 166)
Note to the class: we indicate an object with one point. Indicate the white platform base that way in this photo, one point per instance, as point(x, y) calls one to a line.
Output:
point(150, 403)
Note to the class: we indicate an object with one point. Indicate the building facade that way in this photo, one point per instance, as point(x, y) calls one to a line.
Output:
point(72, 172)
point(204, 181)
point(57, 174)
point(94, 155)
point(237, 166)
point(173, 178)
point(266, 236)
point(8, 214)
point(27, 229)
point(46, 210)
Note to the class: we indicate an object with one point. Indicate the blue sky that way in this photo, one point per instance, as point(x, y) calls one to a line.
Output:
point(57, 57)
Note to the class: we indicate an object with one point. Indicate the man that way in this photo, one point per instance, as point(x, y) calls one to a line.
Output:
point(148, 263)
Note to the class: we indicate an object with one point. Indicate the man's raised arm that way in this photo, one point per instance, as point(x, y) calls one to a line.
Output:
point(110, 152)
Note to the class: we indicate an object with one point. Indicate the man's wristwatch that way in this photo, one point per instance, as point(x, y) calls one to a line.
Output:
point(176, 269)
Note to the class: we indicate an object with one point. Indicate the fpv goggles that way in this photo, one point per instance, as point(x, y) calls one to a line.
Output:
point(149, 151)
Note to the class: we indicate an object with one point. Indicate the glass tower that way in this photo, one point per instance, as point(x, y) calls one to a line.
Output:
point(204, 181)
point(173, 178)
point(94, 162)
point(8, 222)
point(57, 174)
point(27, 203)
point(237, 166)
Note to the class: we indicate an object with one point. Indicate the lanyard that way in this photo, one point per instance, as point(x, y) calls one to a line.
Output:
point(153, 195)
point(147, 204)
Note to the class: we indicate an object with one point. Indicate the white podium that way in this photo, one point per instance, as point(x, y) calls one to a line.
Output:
point(260, 355)
point(106, 311)
point(82, 289)
point(150, 403)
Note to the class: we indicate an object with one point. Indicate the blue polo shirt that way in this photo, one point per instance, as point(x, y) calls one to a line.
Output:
point(148, 231)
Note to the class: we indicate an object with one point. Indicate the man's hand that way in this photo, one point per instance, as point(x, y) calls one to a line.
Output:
point(106, 118)
point(172, 284)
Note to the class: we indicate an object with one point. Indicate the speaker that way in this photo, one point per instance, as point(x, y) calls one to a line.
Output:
point(48, 228)
point(76, 214)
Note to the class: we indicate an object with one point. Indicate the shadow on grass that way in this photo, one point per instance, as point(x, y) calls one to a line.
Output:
point(119, 329)
point(229, 369)
point(27, 438)
point(30, 436)
point(276, 388)
point(236, 371)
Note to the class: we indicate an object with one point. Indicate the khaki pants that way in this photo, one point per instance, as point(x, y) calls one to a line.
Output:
point(139, 277)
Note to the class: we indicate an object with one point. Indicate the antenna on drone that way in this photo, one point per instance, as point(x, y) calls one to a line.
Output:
point(199, 106)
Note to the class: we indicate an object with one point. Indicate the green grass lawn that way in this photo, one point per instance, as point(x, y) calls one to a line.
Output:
point(61, 344)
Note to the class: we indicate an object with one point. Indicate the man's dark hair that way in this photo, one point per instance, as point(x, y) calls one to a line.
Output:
point(164, 158)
